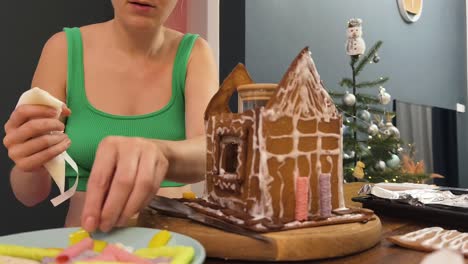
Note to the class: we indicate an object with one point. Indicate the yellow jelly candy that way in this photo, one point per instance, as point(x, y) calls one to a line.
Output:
point(77, 236)
point(160, 239)
point(189, 195)
point(99, 245)
point(27, 252)
point(179, 254)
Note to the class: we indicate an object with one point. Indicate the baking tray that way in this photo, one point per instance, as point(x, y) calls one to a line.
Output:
point(440, 215)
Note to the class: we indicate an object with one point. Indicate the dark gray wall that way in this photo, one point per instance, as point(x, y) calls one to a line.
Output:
point(426, 61)
point(25, 27)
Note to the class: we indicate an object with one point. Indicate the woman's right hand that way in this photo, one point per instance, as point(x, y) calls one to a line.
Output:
point(29, 138)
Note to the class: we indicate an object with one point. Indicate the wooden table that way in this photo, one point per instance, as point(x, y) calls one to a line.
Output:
point(383, 253)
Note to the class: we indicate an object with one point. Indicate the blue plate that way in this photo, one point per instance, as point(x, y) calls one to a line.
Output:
point(135, 237)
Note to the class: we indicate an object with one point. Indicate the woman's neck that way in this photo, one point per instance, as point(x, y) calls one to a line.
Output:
point(142, 43)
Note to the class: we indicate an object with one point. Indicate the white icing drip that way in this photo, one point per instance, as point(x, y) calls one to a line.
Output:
point(260, 226)
point(219, 213)
point(239, 161)
point(227, 202)
point(264, 207)
point(319, 162)
point(224, 185)
point(416, 235)
point(228, 176)
point(299, 134)
point(332, 218)
point(341, 202)
point(330, 161)
point(281, 212)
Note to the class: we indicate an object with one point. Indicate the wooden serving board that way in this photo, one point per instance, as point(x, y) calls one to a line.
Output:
point(300, 244)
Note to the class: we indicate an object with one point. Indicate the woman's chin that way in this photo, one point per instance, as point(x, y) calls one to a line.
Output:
point(142, 24)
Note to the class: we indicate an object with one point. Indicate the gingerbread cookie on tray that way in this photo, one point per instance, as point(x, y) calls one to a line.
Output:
point(432, 239)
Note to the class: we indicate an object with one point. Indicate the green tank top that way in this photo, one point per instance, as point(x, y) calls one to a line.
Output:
point(87, 126)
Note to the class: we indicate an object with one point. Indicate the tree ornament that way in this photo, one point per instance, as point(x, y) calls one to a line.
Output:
point(380, 165)
point(364, 115)
point(376, 58)
point(347, 130)
point(394, 162)
point(394, 132)
point(386, 133)
point(349, 99)
point(355, 44)
point(349, 155)
point(379, 121)
point(384, 97)
point(373, 130)
point(359, 170)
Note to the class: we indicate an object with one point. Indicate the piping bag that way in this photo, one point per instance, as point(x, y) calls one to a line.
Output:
point(56, 166)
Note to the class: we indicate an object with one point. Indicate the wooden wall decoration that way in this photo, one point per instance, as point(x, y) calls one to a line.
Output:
point(410, 10)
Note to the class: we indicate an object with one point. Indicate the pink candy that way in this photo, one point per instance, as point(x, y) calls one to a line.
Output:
point(302, 198)
point(123, 256)
point(75, 250)
point(103, 257)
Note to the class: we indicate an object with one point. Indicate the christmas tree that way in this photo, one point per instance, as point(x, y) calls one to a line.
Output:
point(371, 143)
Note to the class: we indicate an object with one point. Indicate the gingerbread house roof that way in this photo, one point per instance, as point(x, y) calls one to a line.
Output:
point(220, 101)
point(301, 91)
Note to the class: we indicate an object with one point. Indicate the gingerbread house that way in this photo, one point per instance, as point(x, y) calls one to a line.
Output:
point(279, 161)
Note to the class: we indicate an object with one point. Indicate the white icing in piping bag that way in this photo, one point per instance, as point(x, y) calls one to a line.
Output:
point(56, 166)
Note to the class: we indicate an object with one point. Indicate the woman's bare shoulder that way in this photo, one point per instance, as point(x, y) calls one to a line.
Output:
point(94, 28)
point(201, 47)
point(173, 38)
point(51, 71)
point(94, 31)
point(172, 34)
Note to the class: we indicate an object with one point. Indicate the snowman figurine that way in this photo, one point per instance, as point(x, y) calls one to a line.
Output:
point(355, 44)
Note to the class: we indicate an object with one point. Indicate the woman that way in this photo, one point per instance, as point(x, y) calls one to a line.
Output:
point(135, 92)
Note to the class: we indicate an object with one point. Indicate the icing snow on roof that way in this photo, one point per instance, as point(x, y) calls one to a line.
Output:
point(301, 92)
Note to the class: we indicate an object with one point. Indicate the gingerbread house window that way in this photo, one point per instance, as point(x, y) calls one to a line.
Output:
point(229, 161)
point(230, 156)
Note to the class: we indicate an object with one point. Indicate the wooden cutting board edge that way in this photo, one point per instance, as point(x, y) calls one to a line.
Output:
point(293, 245)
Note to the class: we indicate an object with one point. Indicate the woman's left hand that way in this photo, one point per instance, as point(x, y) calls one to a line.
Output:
point(126, 174)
